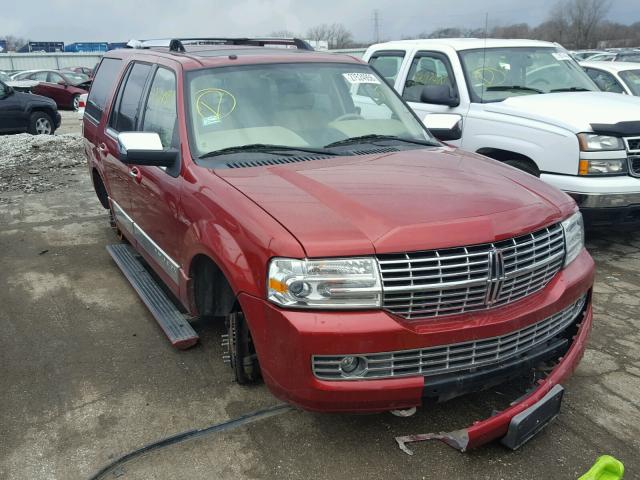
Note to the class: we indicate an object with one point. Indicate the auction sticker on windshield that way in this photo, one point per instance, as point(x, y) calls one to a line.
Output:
point(357, 78)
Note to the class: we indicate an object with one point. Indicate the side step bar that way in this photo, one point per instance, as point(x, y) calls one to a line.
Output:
point(174, 324)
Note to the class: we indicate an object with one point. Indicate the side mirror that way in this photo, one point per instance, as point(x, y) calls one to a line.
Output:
point(145, 149)
point(439, 95)
point(444, 126)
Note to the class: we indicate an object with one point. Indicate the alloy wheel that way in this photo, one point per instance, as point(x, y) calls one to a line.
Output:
point(43, 126)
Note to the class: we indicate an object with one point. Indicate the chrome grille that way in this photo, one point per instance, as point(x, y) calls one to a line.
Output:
point(633, 144)
point(456, 280)
point(450, 358)
point(634, 165)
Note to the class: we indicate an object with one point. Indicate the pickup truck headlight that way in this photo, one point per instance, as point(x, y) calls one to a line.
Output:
point(591, 142)
point(338, 283)
point(573, 237)
point(604, 166)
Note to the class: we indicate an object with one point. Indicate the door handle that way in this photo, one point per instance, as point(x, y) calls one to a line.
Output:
point(135, 174)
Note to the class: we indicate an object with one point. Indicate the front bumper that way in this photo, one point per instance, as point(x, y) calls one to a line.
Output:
point(286, 340)
point(603, 201)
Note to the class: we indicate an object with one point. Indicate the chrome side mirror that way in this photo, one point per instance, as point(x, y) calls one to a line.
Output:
point(145, 149)
point(444, 126)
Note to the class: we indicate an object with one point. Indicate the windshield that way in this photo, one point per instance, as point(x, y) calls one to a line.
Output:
point(632, 79)
point(294, 105)
point(495, 74)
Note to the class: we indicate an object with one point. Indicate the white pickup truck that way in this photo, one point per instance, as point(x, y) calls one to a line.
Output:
point(528, 104)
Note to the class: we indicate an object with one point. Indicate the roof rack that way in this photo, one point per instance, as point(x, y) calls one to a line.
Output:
point(179, 44)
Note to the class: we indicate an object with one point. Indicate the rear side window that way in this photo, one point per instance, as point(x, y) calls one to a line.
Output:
point(387, 64)
point(125, 116)
point(605, 81)
point(160, 114)
point(102, 86)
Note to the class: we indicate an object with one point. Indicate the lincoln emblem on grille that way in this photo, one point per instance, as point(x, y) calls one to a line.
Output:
point(495, 275)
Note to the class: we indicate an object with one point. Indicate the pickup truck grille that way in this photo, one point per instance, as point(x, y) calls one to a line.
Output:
point(633, 144)
point(451, 281)
point(445, 359)
point(633, 147)
point(634, 165)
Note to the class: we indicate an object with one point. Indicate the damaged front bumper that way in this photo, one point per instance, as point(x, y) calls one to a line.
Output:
point(539, 406)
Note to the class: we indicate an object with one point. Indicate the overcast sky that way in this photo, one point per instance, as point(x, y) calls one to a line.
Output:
point(121, 20)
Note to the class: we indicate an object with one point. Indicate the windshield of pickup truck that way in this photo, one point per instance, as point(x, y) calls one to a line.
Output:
point(632, 79)
point(495, 74)
point(311, 106)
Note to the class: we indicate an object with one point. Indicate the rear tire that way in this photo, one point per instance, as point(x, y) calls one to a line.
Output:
point(40, 123)
point(524, 166)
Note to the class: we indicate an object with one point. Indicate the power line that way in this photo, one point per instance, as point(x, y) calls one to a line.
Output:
point(376, 26)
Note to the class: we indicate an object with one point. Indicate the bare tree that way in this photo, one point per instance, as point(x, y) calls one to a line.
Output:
point(283, 34)
point(584, 17)
point(14, 43)
point(336, 35)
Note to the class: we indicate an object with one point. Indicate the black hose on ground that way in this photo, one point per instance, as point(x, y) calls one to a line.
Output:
point(190, 434)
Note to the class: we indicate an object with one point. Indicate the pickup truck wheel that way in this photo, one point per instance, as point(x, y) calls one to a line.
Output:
point(524, 166)
point(40, 124)
point(241, 354)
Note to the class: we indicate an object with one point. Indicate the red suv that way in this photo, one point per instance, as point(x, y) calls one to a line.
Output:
point(358, 264)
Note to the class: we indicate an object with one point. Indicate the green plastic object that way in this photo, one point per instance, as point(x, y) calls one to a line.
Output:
point(605, 468)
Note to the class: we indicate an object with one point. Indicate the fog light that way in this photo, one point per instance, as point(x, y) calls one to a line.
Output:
point(349, 364)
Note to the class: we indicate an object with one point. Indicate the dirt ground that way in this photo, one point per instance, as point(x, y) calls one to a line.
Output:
point(86, 375)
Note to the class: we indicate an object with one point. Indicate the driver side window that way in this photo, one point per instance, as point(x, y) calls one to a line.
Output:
point(426, 70)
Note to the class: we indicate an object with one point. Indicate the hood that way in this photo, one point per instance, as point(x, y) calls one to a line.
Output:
point(33, 98)
point(574, 111)
point(403, 201)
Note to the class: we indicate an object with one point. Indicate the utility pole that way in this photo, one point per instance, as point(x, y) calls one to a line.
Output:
point(376, 25)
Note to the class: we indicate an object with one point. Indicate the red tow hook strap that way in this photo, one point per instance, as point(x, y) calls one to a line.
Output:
point(458, 439)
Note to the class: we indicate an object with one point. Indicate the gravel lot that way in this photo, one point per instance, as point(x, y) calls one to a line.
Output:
point(87, 375)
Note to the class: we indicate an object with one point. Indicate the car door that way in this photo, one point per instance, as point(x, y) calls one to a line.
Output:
point(41, 88)
point(155, 193)
point(11, 111)
point(59, 89)
point(123, 118)
point(429, 69)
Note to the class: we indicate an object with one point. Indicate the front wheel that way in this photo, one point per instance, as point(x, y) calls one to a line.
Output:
point(40, 124)
point(75, 103)
point(241, 351)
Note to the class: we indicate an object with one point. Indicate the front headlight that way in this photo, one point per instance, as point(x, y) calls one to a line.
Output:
point(591, 142)
point(604, 166)
point(327, 283)
point(573, 237)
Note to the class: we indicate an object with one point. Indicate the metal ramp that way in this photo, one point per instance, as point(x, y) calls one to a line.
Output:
point(173, 323)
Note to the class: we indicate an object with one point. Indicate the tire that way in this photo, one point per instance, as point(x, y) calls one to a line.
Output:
point(524, 166)
point(75, 103)
point(40, 123)
point(243, 357)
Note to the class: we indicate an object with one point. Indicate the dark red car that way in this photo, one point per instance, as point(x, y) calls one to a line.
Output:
point(63, 87)
point(358, 264)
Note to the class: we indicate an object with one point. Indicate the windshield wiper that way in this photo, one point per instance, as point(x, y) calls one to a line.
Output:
point(502, 88)
point(570, 89)
point(373, 137)
point(265, 148)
